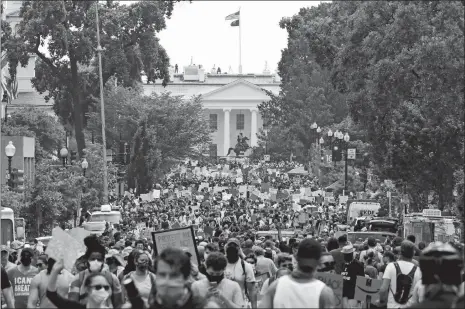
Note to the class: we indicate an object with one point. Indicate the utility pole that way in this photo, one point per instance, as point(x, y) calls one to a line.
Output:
point(102, 111)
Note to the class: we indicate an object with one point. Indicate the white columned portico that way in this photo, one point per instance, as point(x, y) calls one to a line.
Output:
point(226, 141)
point(253, 128)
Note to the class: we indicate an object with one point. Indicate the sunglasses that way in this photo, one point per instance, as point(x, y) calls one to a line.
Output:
point(98, 287)
point(39, 264)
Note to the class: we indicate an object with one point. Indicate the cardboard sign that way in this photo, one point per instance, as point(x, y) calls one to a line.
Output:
point(367, 289)
point(146, 197)
point(156, 194)
point(303, 218)
point(265, 187)
point(61, 239)
point(176, 238)
point(334, 282)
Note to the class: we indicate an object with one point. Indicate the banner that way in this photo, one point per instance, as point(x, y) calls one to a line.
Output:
point(176, 238)
point(367, 289)
point(334, 282)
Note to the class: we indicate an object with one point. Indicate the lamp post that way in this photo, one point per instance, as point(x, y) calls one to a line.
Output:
point(346, 139)
point(64, 155)
point(84, 166)
point(10, 151)
point(102, 111)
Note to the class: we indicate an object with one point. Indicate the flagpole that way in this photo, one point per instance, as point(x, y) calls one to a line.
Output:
point(240, 45)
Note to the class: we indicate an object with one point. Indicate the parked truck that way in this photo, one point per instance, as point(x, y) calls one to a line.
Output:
point(361, 208)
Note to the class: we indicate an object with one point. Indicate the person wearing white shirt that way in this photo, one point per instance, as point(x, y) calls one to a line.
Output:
point(389, 285)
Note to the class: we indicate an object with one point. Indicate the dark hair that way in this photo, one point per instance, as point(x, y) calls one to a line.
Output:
point(50, 263)
point(421, 245)
point(91, 276)
point(411, 238)
point(309, 249)
point(390, 256)
point(130, 265)
point(371, 242)
point(128, 243)
point(140, 241)
point(217, 261)
point(332, 244)
point(212, 247)
point(251, 256)
point(177, 259)
point(93, 245)
point(342, 239)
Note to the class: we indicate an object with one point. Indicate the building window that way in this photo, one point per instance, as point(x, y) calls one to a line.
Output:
point(214, 121)
point(213, 150)
point(240, 122)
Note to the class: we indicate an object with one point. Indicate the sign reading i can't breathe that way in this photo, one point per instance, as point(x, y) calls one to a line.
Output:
point(176, 238)
point(334, 282)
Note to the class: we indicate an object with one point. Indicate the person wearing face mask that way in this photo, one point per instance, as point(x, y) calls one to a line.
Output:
point(292, 291)
point(352, 268)
point(95, 255)
point(38, 289)
point(143, 279)
point(240, 271)
point(96, 285)
point(21, 277)
point(285, 267)
point(225, 292)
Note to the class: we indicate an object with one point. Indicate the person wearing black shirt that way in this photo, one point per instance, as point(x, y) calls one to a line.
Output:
point(7, 290)
point(351, 269)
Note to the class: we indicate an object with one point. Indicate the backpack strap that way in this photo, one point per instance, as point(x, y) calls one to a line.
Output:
point(398, 271)
point(245, 278)
point(411, 274)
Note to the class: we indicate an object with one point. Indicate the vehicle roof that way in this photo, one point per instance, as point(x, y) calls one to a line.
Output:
point(373, 232)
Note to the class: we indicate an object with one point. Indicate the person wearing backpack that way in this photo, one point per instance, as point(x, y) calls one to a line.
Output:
point(240, 271)
point(400, 278)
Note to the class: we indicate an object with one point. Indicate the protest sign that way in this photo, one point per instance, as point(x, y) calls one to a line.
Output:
point(265, 187)
point(61, 239)
point(243, 189)
point(303, 218)
point(334, 282)
point(79, 234)
point(176, 238)
point(367, 289)
point(175, 225)
point(203, 185)
point(156, 194)
point(146, 197)
point(239, 180)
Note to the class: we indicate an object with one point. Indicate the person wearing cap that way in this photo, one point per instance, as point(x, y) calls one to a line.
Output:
point(352, 268)
point(21, 277)
point(301, 289)
point(240, 271)
point(6, 264)
point(39, 284)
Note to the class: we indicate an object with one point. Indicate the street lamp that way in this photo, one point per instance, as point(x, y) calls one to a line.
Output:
point(10, 151)
point(64, 155)
point(322, 141)
point(314, 126)
point(345, 138)
point(84, 166)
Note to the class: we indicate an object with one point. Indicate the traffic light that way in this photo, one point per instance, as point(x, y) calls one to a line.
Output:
point(336, 153)
point(72, 157)
point(322, 155)
point(18, 180)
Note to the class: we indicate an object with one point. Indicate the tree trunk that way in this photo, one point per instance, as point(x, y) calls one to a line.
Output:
point(77, 108)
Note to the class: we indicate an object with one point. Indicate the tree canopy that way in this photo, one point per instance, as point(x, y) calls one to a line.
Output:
point(161, 130)
point(62, 34)
point(400, 68)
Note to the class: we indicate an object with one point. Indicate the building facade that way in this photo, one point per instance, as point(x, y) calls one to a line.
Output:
point(27, 95)
point(230, 100)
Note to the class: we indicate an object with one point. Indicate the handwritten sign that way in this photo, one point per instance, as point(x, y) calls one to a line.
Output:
point(176, 238)
point(367, 289)
point(334, 282)
point(61, 239)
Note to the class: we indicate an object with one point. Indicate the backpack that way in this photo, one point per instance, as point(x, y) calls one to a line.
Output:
point(404, 284)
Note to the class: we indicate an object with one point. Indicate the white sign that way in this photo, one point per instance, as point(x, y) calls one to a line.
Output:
point(329, 158)
point(266, 158)
point(351, 153)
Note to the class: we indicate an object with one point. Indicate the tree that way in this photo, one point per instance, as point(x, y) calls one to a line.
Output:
point(400, 67)
point(306, 94)
point(170, 131)
point(67, 71)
